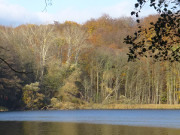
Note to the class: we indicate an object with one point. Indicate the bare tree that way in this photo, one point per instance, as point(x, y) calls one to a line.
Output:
point(76, 40)
point(40, 39)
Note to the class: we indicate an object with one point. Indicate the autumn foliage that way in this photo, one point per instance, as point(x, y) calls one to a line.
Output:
point(67, 65)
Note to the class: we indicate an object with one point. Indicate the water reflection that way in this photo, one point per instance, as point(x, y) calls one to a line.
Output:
point(53, 128)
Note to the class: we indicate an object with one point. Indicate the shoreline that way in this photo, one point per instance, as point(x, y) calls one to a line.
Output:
point(3, 109)
point(109, 107)
point(117, 107)
point(140, 106)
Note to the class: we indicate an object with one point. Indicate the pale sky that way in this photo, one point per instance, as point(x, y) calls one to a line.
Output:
point(17, 12)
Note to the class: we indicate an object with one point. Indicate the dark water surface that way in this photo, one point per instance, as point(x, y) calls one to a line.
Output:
point(91, 122)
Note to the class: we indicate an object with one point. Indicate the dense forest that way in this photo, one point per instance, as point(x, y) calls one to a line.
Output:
point(68, 65)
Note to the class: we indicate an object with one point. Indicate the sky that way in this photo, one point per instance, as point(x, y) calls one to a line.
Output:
point(17, 12)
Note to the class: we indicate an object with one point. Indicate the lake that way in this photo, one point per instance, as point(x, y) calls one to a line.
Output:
point(91, 122)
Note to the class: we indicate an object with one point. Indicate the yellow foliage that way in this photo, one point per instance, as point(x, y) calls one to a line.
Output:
point(31, 96)
point(71, 23)
point(123, 74)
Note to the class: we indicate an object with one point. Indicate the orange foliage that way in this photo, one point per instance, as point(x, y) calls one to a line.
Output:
point(71, 23)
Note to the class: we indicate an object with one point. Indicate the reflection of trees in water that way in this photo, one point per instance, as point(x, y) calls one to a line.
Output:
point(53, 128)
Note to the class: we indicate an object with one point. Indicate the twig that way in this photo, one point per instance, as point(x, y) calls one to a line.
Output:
point(45, 8)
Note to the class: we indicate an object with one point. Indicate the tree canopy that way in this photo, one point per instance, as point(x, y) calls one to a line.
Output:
point(82, 65)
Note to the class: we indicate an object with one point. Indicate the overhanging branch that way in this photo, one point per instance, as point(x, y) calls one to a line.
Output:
point(21, 72)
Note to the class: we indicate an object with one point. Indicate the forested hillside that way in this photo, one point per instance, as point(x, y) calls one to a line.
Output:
point(68, 65)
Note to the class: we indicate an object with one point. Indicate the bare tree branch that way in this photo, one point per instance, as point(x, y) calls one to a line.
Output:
point(45, 8)
point(47, 2)
point(21, 72)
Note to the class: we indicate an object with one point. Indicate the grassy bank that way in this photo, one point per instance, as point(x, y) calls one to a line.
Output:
point(123, 106)
point(135, 106)
point(72, 106)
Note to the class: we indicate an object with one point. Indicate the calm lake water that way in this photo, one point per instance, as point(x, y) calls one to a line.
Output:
point(91, 122)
